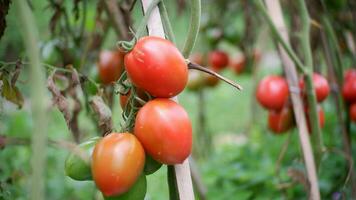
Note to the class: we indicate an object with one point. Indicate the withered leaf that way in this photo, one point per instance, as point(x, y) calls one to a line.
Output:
point(11, 92)
point(103, 112)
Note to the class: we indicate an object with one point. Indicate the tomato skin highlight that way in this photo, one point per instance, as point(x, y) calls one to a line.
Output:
point(280, 121)
point(117, 162)
point(321, 87)
point(165, 131)
point(272, 92)
point(352, 112)
point(349, 90)
point(157, 66)
point(218, 59)
point(110, 65)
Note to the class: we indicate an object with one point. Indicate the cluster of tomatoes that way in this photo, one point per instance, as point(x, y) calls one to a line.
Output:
point(349, 92)
point(162, 132)
point(217, 61)
point(273, 94)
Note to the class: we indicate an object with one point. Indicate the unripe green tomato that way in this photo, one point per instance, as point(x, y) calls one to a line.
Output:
point(137, 192)
point(151, 165)
point(78, 168)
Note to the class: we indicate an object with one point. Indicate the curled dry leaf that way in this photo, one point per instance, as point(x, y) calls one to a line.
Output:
point(103, 112)
point(58, 99)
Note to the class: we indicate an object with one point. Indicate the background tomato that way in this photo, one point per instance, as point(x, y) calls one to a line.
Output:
point(352, 112)
point(110, 66)
point(237, 64)
point(117, 162)
point(136, 192)
point(280, 121)
point(349, 90)
point(350, 74)
point(77, 166)
point(165, 131)
point(272, 92)
point(218, 59)
point(321, 87)
point(196, 80)
point(197, 58)
point(157, 66)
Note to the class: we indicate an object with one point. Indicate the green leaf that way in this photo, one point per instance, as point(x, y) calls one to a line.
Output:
point(11, 93)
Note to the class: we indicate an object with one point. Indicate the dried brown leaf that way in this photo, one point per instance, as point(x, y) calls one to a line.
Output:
point(103, 112)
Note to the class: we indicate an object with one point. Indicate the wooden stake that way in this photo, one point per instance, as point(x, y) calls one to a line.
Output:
point(274, 10)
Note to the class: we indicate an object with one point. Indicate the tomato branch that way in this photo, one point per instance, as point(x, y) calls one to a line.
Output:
point(166, 22)
point(211, 72)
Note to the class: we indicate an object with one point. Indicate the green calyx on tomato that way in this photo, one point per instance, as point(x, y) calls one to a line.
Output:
point(77, 164)
point(136, 192)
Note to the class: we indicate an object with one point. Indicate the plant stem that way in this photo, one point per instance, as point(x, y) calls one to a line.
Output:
point(147, 15)
point(166, 23)
point(39, 99)
point(279, 37)
point(193, 28)
point(208, 71)
point(312, 104)
point(172, 184)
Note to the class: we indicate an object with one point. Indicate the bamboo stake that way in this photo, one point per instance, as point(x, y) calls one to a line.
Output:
point(275, 12)
point(182, 171)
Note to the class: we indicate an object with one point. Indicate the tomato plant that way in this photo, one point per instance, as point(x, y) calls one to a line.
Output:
point(77, 164)
point(349, 90)
point(280, 121)
point(272, 92)
point(117, 162)
point(125, 97)
point(320, 114)
point(321, 87)
point(165, 131)
point(218, 59)
point(110, 65)
point(157, 66)
point(352, 112)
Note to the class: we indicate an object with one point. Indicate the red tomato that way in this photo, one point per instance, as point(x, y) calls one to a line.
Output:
point(321, 87)
point(352, 112)
point(349, 90)
point(218, 59)
point(272, 92)
point(321, 117)
point(110, 66)
point(280, 121)
point(165, 131)
point(238, 64)
point(157, 66)
point(350, 74)
point(117, 162)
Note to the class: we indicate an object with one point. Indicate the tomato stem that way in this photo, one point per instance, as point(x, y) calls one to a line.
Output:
point(166, 23)
point(211, 72)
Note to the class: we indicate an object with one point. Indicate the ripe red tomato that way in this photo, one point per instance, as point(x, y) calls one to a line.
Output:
point(272, 92)
point(321, 87)
point(157, 66)
point(218, 59)
point(349, 90)
point(321, 117)
point(280, 121)
point(238, 64)
point(165, 131)
point(117, 162)
point(352, 112)
point(110, 66)
point(350, 74)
